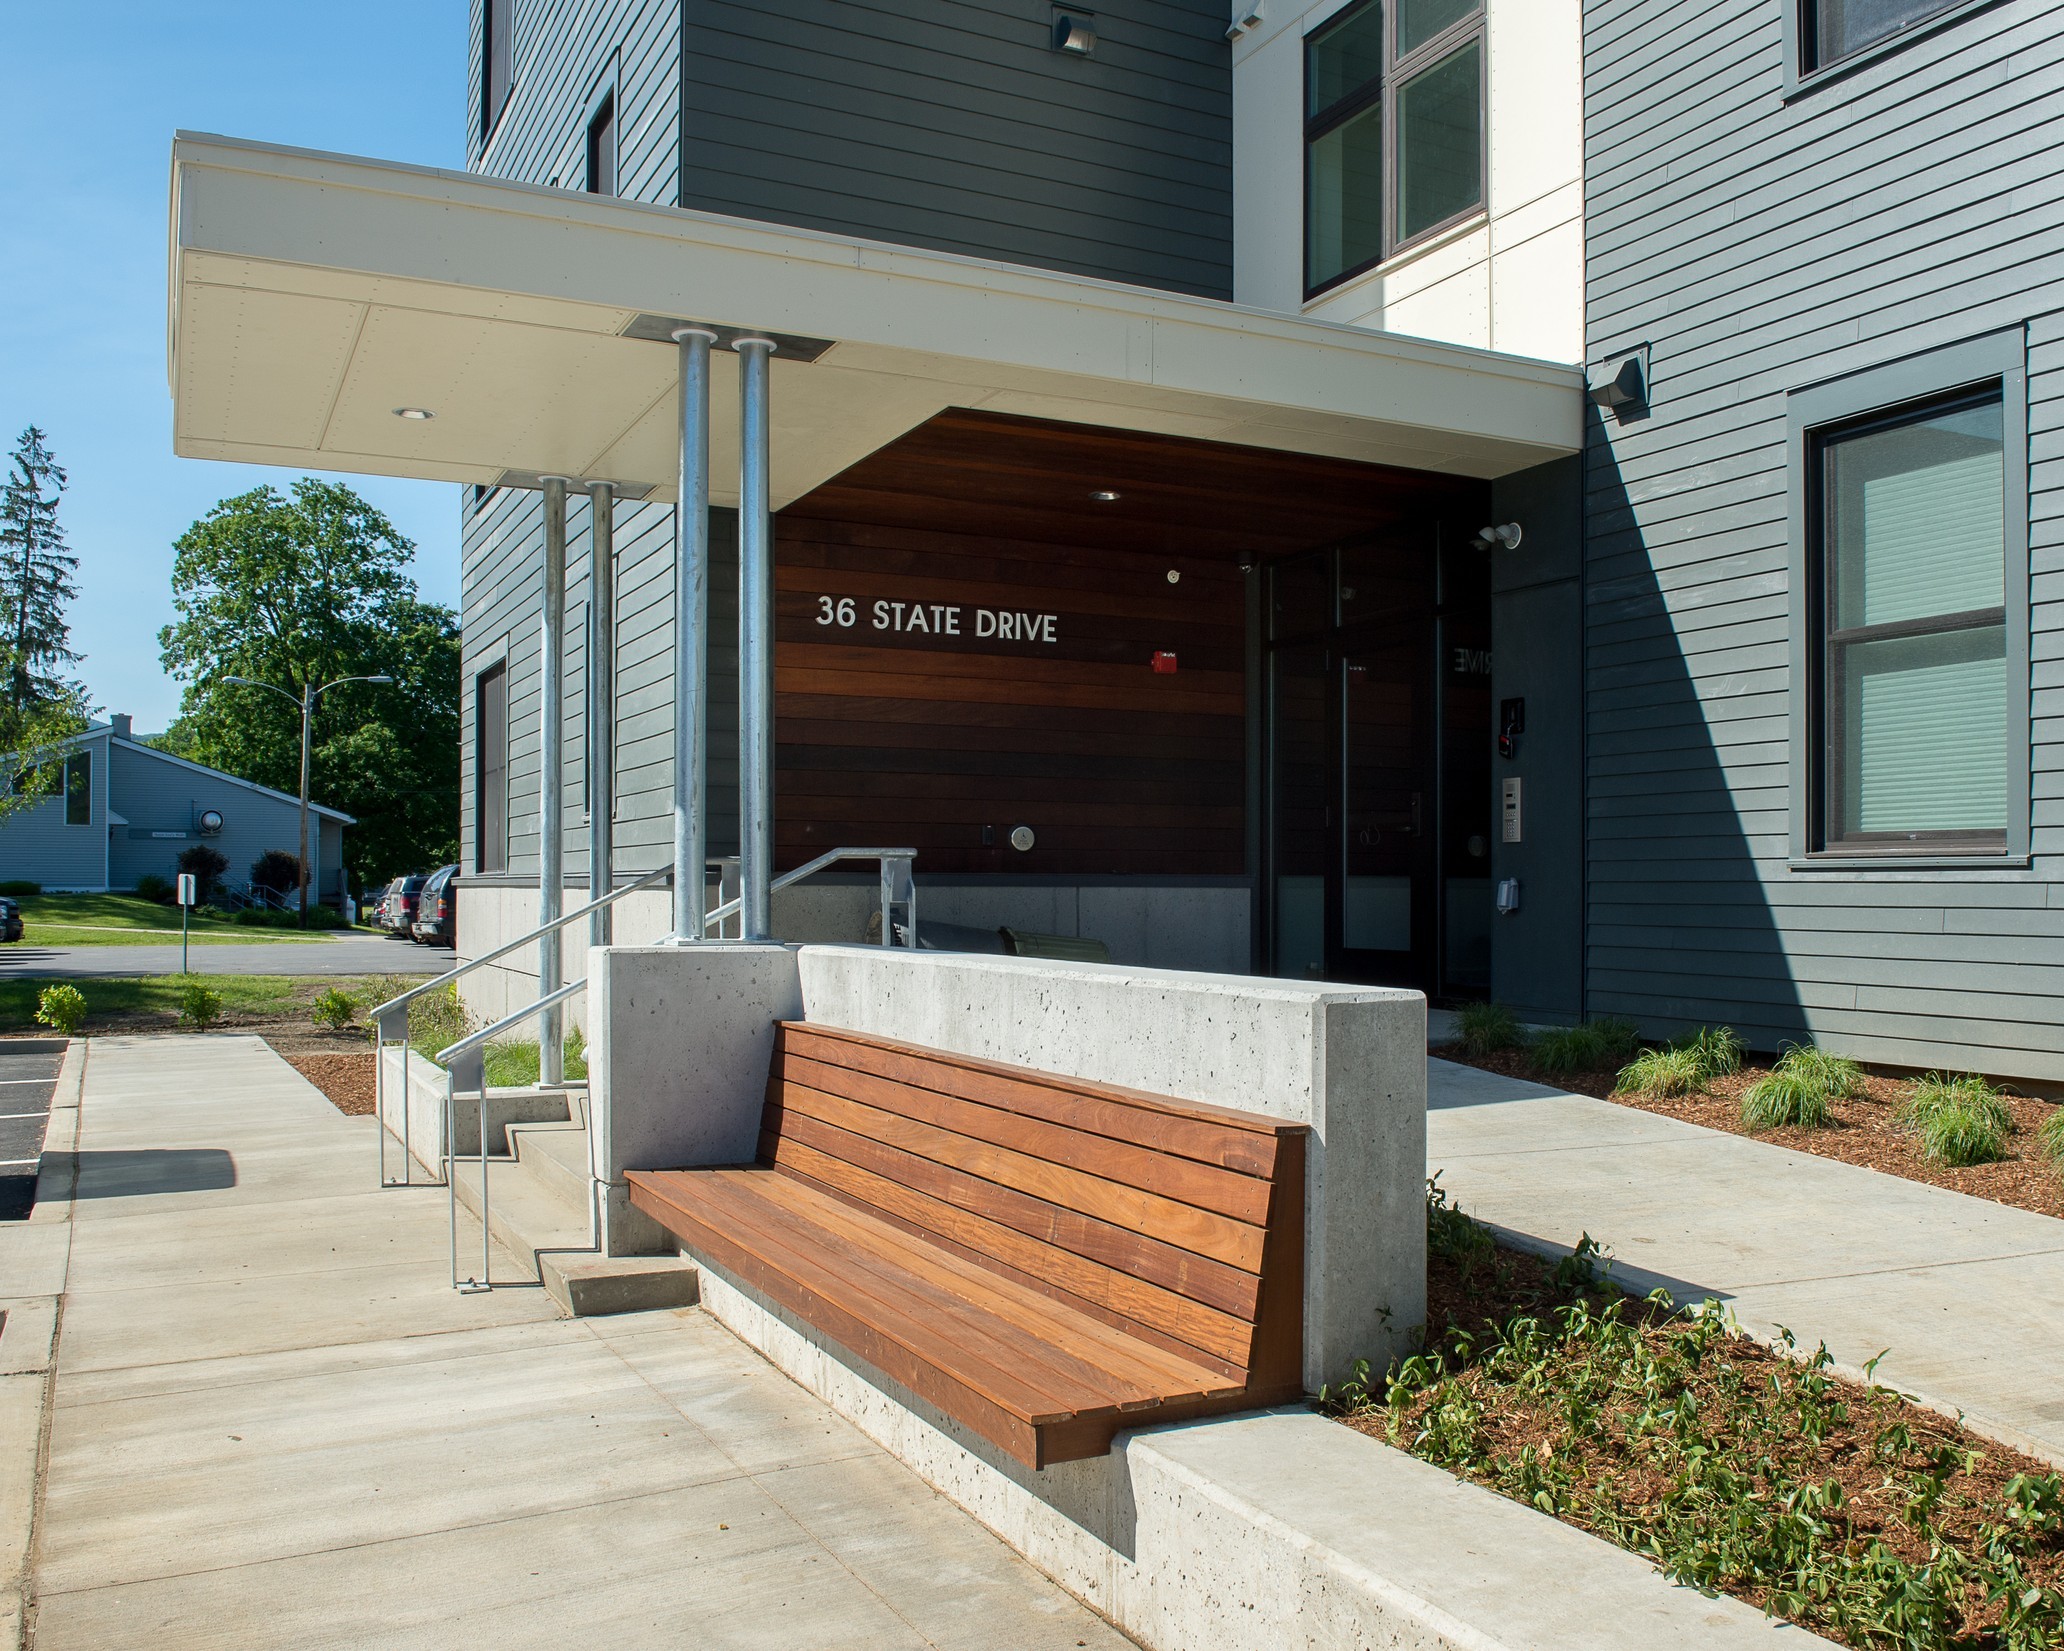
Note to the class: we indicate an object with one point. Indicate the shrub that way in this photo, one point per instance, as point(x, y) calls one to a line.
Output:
point(277, 871)
point(199, 1007)
point(2049, 1139)
point(21, 888)
point(150, 886)
point(206, 866)
point(1585, 1048)
point(333, 1009)
point(63, 1008)
point(266, 917)
point(1958, 1120)
point(1484, 1028)
point(1661, 1072)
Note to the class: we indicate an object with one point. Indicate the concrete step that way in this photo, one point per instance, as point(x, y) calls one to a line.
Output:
point(530, 1219)
point(557, 1155)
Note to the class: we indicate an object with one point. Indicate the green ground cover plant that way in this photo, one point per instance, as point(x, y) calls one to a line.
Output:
point(1587, 1048)
point(514, 1064)
point(1958, 1120)
point(1732, 1466)
point(1485, 1028)
point(1800, 1090)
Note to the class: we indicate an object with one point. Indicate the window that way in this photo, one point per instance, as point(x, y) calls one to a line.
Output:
point(1394, 145)
point(491, 770)
point(1831, 30)
point(78, 788)
point(602, 149)
point(497, 61)
point(1911, 498)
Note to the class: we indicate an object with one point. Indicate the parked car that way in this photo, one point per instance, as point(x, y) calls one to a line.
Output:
point(10, 919)
point(437, 909)
point(398, 905)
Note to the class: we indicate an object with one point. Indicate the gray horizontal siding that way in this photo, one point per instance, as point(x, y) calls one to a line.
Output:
point(1759, 247)
point(955, 126)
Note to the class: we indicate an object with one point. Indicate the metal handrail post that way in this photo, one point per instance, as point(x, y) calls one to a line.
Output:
point(551, 768)
point(601, 751)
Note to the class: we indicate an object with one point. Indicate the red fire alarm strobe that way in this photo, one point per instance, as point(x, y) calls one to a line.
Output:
point(1164, 662)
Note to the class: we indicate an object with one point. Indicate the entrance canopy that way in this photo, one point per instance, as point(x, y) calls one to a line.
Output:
point(320, 305)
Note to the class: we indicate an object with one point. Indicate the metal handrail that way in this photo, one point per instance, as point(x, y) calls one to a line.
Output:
point(824, 862)
point(385, 1013)
point(465, 1066)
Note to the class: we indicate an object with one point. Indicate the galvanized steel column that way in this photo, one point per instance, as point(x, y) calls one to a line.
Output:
point(691, 638)
point(755, 644)
point(551, 770)
point(601, 705)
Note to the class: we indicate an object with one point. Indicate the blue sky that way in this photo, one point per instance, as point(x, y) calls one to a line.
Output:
point(90, 94)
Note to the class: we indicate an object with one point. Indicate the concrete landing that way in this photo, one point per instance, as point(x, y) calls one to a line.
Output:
point(274, 1425)
point(1964, 1296)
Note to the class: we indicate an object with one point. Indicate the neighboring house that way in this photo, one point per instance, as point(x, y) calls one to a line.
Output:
point(1148, 378)
point(126, 809)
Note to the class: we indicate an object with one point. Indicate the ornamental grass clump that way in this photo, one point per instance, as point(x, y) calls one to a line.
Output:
point(1958, 1121)
point(1683, 1067)
point(1800, 1091)
point(2049, 1138)
point(1596, 1043)
point(1485, 1028)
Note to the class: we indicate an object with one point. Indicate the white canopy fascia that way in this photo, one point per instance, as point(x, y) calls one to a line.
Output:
point(313, 295)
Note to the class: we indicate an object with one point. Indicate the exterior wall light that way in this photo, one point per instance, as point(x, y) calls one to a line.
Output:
point(1505, 536)
point(415, 415)
point(1022, 839)
point(211, 822)
point(1104, 495)
point(1074, 31)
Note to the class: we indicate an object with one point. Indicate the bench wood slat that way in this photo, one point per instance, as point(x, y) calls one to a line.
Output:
point(1043, 1259)
point(1138, 1301)
point(1233, 1242)
point(1212, 1282)
point(1239, 1197)
point(1209, 1135)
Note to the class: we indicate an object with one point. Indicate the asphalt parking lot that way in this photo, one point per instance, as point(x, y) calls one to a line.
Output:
point(28, 1075)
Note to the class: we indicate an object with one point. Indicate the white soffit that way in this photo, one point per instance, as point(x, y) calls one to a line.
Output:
point(312, 295)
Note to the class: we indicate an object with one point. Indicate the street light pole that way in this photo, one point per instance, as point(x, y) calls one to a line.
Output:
point(309, 695)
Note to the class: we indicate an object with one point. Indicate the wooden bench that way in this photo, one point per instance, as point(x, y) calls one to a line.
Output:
point(1044, 1259)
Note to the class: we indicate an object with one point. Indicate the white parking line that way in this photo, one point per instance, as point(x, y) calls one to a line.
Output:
point(27, 1080)
point(5, 1116)
point(8, 1163)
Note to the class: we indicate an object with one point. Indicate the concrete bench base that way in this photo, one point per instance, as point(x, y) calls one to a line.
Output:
point(1274, 1530)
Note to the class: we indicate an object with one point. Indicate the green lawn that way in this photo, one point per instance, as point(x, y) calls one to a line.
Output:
point(126, 920)
point(135, 1004)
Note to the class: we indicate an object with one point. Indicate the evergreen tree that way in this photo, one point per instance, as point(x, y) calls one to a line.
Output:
point(36, 580)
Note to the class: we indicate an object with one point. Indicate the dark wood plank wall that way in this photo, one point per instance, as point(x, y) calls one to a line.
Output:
point(923, 739)
point(890, 735)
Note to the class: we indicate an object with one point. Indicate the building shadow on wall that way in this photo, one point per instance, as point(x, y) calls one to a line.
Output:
point(1687, 694)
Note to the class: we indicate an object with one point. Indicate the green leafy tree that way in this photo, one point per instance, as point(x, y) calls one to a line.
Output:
point(40, 707)
point(298, 590)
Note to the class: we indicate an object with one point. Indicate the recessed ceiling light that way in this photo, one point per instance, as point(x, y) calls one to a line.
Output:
point(1104, 495)
point(416, 414)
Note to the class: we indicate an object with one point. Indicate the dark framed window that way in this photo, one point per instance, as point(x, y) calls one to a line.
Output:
point(497, 60)
point(491, 769)
point(78, 788)
point(1912, 629)
point(1394, 131)
point(1831, 30)
point(602, 148)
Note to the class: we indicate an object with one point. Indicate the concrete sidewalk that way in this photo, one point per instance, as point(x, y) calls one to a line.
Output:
point(274, 1424)
point(1965, 1297)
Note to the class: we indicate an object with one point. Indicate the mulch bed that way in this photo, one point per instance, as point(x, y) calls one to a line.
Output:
point(1622, 1479)
point(1862, 1131)
point(346, 1078)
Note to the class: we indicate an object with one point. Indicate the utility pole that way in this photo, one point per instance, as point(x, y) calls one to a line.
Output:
point(309, 695)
